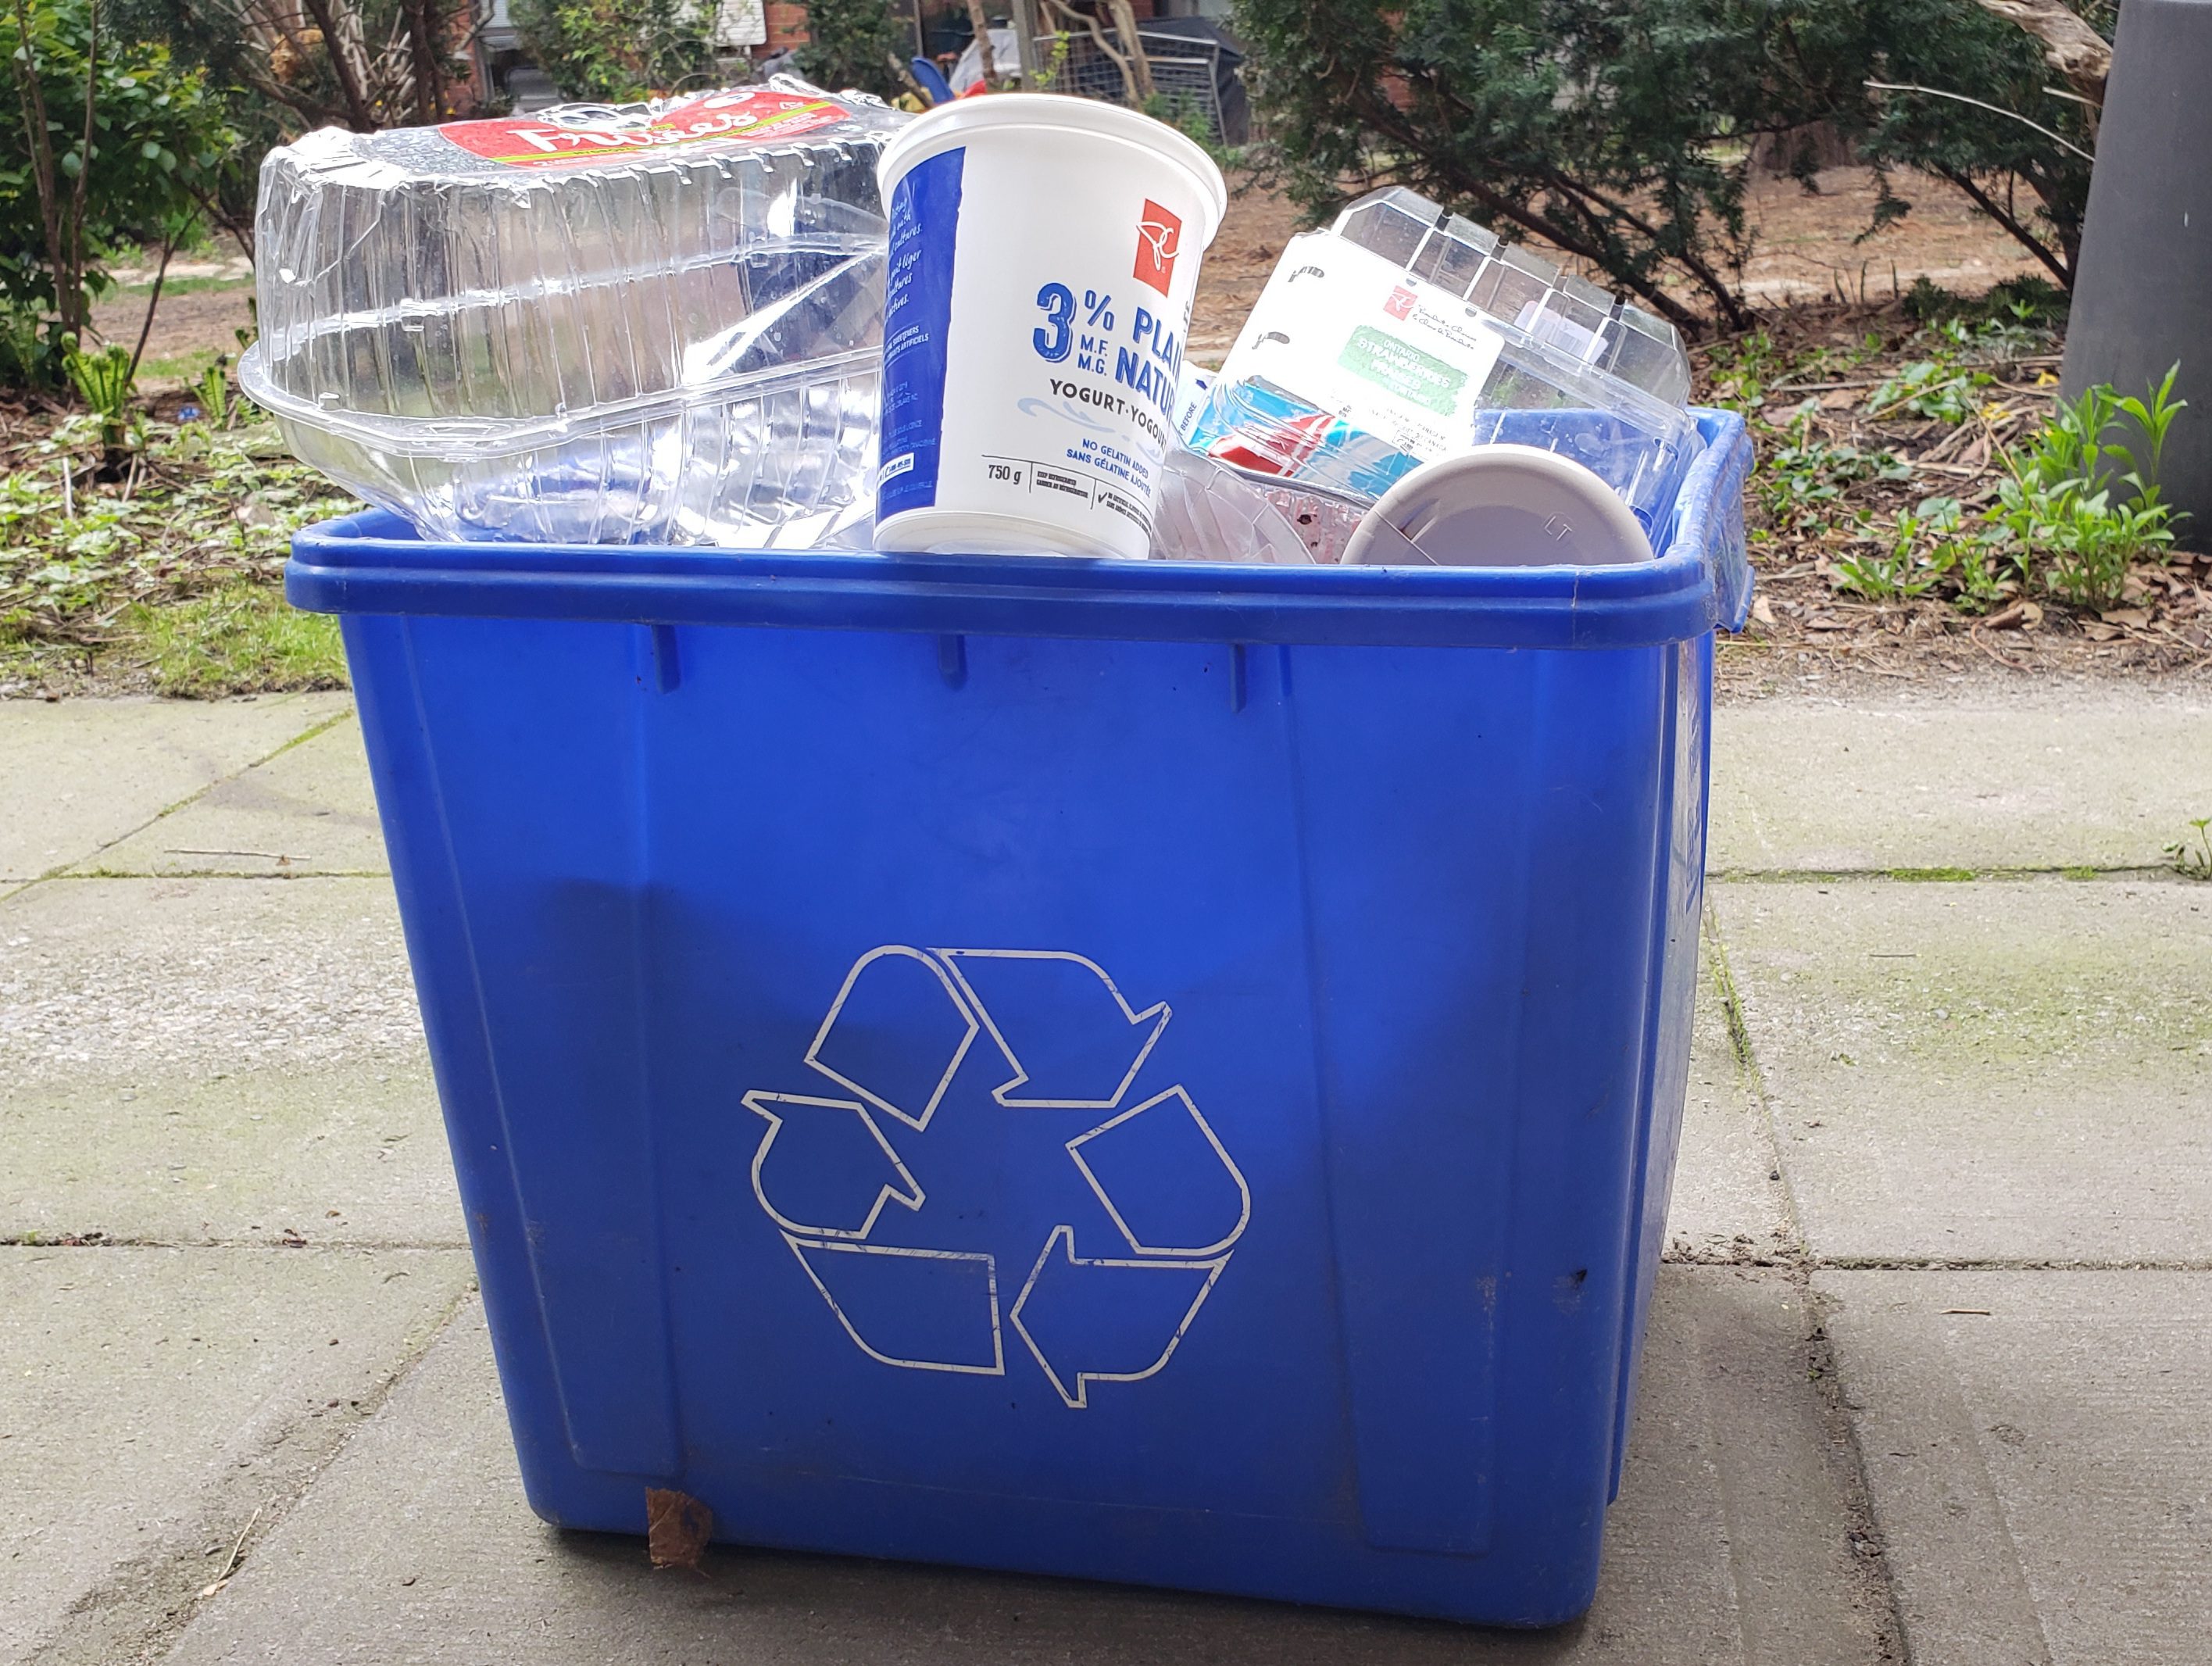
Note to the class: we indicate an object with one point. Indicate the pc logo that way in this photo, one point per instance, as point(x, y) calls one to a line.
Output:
point(1159, 236)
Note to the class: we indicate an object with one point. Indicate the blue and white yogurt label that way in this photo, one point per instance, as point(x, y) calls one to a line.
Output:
point(1033, 343)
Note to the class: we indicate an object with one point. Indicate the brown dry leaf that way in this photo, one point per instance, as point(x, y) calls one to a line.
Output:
point(2098, 633)
point(2031, 614)
point(2124, 616)
point(1841, 399)
point(1827, 622)
point(1762, 609)
point(676, 1526)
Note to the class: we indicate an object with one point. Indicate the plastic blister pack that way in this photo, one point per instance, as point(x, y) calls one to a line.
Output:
point(651, 323)
point(1403, 334)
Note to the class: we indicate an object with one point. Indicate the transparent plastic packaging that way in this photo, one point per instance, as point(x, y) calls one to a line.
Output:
point(1403, 334)
point(1209, 512)
point(651, 323)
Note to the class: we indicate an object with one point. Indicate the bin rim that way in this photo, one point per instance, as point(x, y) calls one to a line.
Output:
point(372, 563)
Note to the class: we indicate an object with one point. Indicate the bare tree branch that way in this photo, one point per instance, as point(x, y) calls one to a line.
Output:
point(1069, 17)
point(73, 311)
point(985, 50)
point(2078, 52)
point(153, 300)
point(342, 65)
point(1140, 66)
point(1994, 109)
point(1990, 205)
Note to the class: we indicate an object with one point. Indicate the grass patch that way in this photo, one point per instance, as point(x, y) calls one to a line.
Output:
point(2078, 872)
point(179, 367)
point(1951, 876)
point(244, 638)
point(184, 286)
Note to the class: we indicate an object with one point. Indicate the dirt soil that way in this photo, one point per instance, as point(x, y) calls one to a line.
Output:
point(1804, 629)
point(196, 321)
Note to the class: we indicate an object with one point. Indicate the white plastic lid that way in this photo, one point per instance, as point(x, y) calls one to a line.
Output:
point(1500, 506)
point(952, 125)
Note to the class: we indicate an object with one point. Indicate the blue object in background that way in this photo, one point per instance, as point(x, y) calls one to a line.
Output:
point(931, 80)
point(1144, 1071)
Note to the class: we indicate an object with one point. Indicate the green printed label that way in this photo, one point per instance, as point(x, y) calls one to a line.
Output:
point(1407, 372)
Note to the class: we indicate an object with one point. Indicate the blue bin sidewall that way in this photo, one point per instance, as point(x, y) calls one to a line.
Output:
point(361, 569)
point(398, 727)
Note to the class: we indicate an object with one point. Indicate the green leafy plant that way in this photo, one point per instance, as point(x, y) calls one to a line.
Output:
point(1929, 387)
point(204, 507)
point(111, 146)
point(1906, 568)
point(104, 381)
point(619, 51)
point(2193, 860)
point(281, 67)
point(2081, 507)
point(1948, 385)
point(1802, 483)
point(214, 391)
point(1183, 113)
point(858, 43)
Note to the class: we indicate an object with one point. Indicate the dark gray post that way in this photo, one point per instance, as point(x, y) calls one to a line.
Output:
point(2142, 297)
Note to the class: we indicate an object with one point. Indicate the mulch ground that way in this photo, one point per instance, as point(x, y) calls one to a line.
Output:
point(1803, 622)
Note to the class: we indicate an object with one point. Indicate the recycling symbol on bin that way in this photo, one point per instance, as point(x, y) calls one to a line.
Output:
point(892, 1210)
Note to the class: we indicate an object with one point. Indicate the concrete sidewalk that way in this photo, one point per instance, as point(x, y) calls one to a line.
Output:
point(1926, 1375)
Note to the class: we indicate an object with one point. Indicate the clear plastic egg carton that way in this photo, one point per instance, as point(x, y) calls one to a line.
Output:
point(653, 322)
point(1402, 334)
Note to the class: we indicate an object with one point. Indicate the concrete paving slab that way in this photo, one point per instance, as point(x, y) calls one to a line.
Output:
point(1730, 1544)
point(151, 1400)
point(2013, 1071)
point(1727, 1202)
point(2039, 1459)
point(2067, 778)
point(309, 809)
point(78, 774)
point(217, 1060)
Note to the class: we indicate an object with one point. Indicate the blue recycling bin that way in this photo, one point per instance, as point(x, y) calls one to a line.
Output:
point(1153, 1073)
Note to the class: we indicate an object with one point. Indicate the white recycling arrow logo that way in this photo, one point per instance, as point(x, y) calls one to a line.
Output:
point(829, 1170)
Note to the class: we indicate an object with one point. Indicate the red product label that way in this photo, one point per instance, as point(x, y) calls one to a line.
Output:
point(1159, 237)
point(1401, 303)
point(597, 136)
point(1281, 450)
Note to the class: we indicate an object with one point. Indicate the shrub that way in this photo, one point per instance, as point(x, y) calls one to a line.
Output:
point(616, 52)
point(1621, 132)
point(157, 138)
point(857, 44)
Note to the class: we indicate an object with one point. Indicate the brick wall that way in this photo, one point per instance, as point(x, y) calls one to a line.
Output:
point(787, 24)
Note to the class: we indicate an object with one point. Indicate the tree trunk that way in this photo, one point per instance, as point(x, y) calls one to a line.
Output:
point(424, 49)
point(992, 78)
point(1140, 67)
point(39, 137)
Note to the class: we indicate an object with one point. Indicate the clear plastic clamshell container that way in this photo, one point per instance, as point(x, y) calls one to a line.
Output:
point(651, 323)
point(1402, 334)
